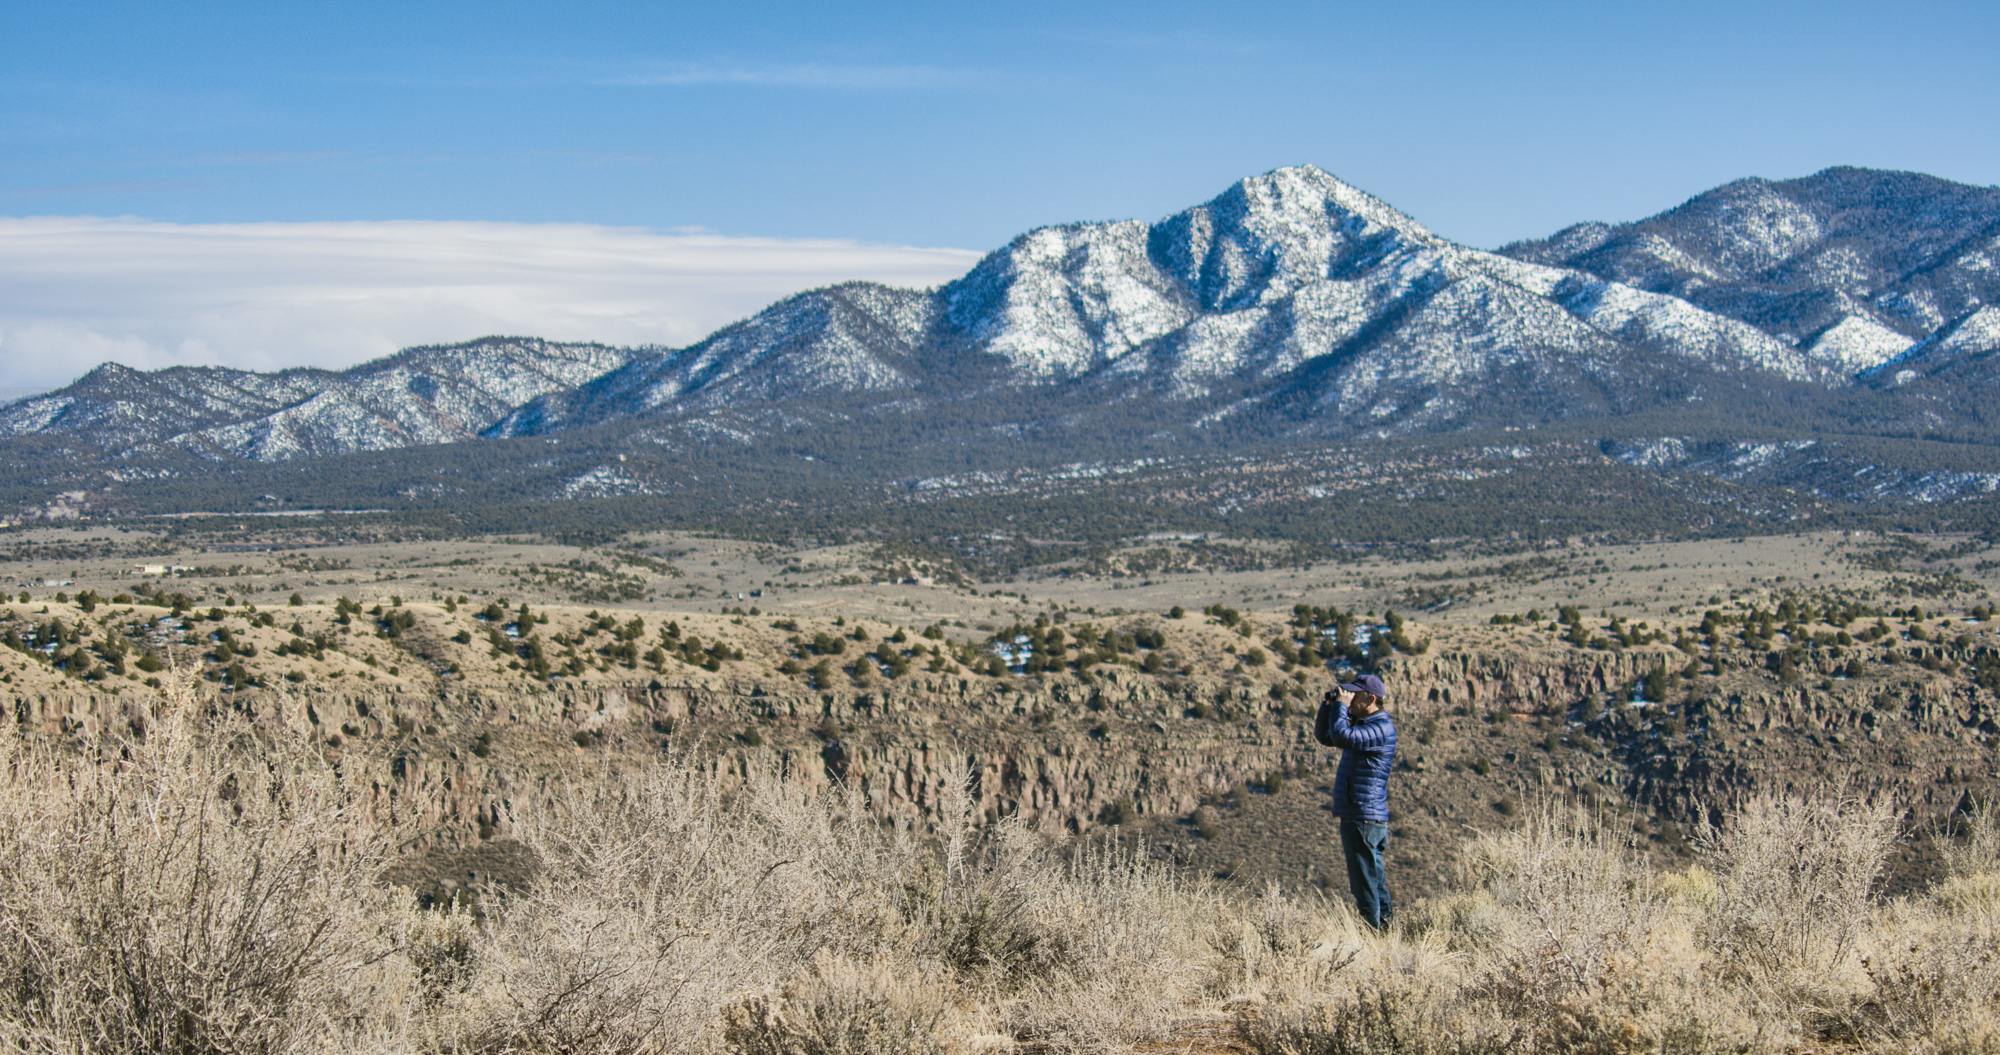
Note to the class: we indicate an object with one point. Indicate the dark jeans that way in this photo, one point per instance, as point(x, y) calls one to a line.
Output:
point(1363, 844)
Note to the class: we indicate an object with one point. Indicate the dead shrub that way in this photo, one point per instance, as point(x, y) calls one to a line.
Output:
point(664, 894)
point(1934, 974)
point(972, 906)
point(1579, 948)
point(206, 888)
point(839, 1007)
point(1796, 878)
point(1571, 895)
point(1085, 951)
point(1375, 998)
point(1969, 845)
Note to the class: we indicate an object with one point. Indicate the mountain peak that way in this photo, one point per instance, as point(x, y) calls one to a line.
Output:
point(108, 372)
point(1860, 182)
point(1310, 195)
point(1303, 184)
point(1270, 235)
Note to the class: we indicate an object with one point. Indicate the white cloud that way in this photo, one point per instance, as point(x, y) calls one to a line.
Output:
point(76, 292)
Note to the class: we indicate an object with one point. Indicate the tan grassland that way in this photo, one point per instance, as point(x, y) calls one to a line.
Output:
point(209, 883)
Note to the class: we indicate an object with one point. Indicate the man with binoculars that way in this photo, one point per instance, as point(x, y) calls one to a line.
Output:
point(1352, 718)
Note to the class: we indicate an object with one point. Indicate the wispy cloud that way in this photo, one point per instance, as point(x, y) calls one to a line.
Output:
point(1185, 41)
point(679, 73)
point(76, 292)
point(792, 75)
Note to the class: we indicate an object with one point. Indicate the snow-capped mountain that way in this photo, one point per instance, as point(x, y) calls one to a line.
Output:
point(1290, 304)
point(853, 337)
point(1291, 287)
point(117, 408)
point(418, 396)
point(1849, 266)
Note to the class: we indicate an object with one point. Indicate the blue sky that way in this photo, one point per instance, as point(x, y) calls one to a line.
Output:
point(956, 125)
point(962, 124)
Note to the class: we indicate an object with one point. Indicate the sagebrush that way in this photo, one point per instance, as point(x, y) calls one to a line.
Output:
point(203, 882)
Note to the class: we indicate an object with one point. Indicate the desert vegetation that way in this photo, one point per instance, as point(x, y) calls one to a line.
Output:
point(205, 881)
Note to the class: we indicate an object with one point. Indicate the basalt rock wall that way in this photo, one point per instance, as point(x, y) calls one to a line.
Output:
point(1075, 752)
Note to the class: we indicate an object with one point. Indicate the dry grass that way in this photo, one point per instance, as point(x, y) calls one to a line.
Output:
point(1564, 943)
point(1970, 846)
point(217, 886)
point(201, 888)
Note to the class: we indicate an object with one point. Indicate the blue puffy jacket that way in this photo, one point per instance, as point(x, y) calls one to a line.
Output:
point(1368, 753)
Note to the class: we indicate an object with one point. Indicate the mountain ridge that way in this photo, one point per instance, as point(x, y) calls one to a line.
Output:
point(1290, 307)
point(1282, 270)
point(1875, 256)
point(422, 394)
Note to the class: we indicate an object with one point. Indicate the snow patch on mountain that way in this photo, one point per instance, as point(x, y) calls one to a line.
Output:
point(1062, 300)
point(1976, 332)
point(1663, 452)
point(1971, 334)
point(1665, 322)
point(1857, 343)
point(603, 481)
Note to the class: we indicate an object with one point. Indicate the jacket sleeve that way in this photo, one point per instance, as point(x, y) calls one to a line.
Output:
point(1323, 721)
point(1337, 731)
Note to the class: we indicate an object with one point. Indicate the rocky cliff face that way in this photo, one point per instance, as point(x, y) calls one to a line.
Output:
point(1489, 719)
